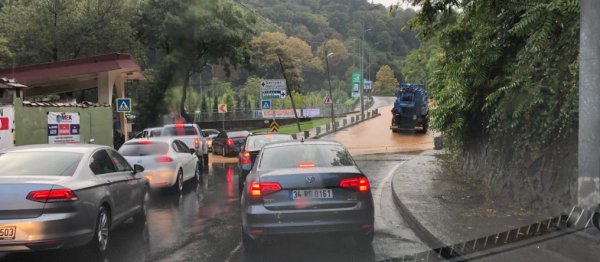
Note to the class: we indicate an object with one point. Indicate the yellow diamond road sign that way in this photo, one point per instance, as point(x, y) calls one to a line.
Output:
point(274, 126)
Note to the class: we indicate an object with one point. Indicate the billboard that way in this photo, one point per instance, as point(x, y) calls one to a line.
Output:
point(63, 128)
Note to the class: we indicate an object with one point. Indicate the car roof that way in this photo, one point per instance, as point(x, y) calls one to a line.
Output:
point(305, 142)
point(172, 125)
point(153, 128)
point(268, 133)
point(74, 148)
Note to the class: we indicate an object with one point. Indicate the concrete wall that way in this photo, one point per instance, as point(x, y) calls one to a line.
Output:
point(31, 123)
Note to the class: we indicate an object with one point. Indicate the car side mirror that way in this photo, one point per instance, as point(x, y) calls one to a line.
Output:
point(138, 169)
point(205, 134)
point(192, 151)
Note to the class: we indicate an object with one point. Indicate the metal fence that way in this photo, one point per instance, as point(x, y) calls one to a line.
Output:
point(251, 114)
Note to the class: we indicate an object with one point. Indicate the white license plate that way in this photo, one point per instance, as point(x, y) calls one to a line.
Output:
point(8, 233)
point(311, 193)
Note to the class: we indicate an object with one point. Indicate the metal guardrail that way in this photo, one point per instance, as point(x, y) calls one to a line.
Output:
point(253, 114)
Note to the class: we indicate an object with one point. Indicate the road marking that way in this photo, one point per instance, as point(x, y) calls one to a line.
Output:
point(379, 192)
point(232, 253)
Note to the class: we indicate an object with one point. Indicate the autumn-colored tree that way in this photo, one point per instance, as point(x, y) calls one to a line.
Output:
point(385, 82)
point(295, 54)
point(338, 62)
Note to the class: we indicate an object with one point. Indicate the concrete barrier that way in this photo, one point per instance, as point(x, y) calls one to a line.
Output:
point(327, 127)
point(352, 120)
point(345, 122)
point(306, 134)
point(294, 136)
point(318, 130)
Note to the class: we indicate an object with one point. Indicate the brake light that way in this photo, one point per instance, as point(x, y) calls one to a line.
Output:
point(258, 189)
point(196, 143)
point(306, 165)
point(357, 184)
point(179, 126)
point(54, 195)
point(229, 142)
point(164, 159)
point(246, 158)
point(144, 142)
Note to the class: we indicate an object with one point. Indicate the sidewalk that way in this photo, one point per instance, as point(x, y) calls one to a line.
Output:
point(445, 209)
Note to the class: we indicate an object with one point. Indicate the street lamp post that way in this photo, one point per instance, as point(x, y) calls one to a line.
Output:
point(330, 93)
point(362, 74)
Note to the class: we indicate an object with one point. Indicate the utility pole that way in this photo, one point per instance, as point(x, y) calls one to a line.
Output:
point(589, 111)
point(362, 74)
point(287, 85)
point(327, 54)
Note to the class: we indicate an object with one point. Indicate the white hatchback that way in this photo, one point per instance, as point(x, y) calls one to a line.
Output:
point(168, 162)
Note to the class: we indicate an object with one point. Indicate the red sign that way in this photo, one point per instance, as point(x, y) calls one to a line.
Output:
point(222, 108)
point(4, 123)
point(64, 129)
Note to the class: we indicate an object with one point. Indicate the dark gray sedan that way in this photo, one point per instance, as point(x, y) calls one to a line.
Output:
point(61, 196)
point(306, 187)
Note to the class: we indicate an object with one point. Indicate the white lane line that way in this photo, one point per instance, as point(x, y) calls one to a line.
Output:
point(379, 192)
point(232, 253)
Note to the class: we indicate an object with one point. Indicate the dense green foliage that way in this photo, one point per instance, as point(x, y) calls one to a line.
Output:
point(500, 71)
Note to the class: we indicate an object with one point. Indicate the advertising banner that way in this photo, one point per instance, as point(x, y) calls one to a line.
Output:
point(63, 128)
point(7, 116)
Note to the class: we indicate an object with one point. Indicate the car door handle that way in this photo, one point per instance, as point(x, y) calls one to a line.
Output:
point(108, 181)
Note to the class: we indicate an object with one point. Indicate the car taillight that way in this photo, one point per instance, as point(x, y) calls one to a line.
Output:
point(54, 195)
point(246, 158)
point(306, 165)
point(196, 143)
point(229, 142)
point(258, 189)
point(164, 159)
point(360, 184)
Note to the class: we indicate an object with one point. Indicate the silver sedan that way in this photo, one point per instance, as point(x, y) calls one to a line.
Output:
point(61, 196)
point(306, 187)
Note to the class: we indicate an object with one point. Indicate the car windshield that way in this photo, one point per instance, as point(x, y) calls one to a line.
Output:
point(44, 163)
point(304, 156)
point(144, 149)
point(255, 143)
point(179, 131)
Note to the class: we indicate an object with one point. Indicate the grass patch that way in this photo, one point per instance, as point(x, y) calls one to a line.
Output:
point(307, 125)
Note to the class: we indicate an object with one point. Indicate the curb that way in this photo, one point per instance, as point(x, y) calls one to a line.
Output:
point(420, 230)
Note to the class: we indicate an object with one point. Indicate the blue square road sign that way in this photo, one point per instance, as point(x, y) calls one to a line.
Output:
point(123, 104)
point(266, 104)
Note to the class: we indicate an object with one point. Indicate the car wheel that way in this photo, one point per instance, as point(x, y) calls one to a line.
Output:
point(99, 244)
point(250, 245)
point(364, 240)
point(178, 186)
point(140, 217)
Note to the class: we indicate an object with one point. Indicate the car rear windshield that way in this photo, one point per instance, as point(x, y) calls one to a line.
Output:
point(39, 163)
point(238, 134)
point(144, 149)
point(256, 142)
point(179, 131)
point(305, 155)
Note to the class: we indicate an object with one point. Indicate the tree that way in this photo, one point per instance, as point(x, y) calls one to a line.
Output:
point(204, 105)
point(215, 104)
point(338, 62)
point(193, 33)
point(5, 54)
point(295, 53)
point(66, 29)
point(385, 81)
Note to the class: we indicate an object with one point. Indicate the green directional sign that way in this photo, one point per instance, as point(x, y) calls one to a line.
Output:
point(356, 83)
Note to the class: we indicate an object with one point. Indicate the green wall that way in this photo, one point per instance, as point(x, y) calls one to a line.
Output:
point(31, 123)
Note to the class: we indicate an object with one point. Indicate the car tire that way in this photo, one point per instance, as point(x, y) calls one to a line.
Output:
point(250, 245)
point(99, 244)
point(178, 186)
point(140, 216)
point(364, 240)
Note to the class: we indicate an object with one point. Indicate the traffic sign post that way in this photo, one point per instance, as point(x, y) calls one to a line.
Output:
point(327, 100)
point(123, 105)
point(266, 104)
point(273, 89)
point(274, 126)
point(222, 110)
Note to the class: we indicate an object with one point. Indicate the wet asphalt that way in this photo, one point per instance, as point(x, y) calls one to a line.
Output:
point(203, 224)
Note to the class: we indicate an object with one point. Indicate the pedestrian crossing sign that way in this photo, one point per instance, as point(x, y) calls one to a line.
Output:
point(266, 104)
point(123, 104)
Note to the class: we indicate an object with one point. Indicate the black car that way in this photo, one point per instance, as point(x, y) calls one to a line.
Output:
point(251, 149)
point(229, 143)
